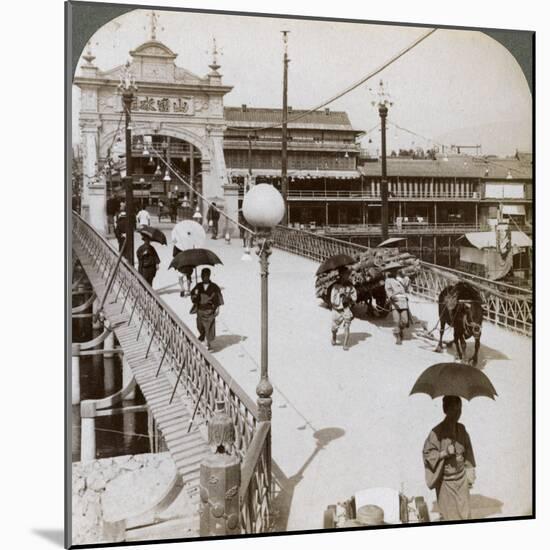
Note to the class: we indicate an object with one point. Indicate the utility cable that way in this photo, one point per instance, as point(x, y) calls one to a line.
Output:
point(350, 88)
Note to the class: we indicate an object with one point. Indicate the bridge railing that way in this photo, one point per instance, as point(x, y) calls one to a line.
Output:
point(505, 305)
point(203, 378)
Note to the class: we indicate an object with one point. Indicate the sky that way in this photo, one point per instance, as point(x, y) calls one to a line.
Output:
point(456, 87)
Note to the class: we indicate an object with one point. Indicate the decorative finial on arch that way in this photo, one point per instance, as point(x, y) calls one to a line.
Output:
point(154, 24)
point(89, 57)
point(215, 52)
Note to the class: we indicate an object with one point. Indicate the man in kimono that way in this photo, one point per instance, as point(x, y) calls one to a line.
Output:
point(148, 260)
point(397, 286)
point(207, 299)
point(449, 463)
point(342, 297)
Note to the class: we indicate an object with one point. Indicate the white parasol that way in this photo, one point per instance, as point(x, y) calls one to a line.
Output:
point(188, 234)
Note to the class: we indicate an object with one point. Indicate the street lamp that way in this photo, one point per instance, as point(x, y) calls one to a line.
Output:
point(383, 103)
point(263, 209)
point(127, 87)
point(197, 216)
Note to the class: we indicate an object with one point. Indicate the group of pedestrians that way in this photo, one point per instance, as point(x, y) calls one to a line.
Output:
point(343, 297)
point(206, 296)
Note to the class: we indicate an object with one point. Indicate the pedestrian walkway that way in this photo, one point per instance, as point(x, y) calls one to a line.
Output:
point(344, 421)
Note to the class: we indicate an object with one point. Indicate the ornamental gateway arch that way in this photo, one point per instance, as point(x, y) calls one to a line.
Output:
point(179, 113)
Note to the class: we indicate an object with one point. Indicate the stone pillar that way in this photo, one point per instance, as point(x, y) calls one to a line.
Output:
point(231, 196)
point(75, 374)
point(97, 201)
point(89, 156)
point(87, 431)
point(220, 479)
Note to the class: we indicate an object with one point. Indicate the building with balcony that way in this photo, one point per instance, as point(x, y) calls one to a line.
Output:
point(322, 147)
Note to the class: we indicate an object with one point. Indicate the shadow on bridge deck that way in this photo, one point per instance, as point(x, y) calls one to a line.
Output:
point(364, 392)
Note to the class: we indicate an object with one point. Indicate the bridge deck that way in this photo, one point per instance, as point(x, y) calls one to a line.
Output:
point(376, 430)
point(187, 449)
point(362, 392)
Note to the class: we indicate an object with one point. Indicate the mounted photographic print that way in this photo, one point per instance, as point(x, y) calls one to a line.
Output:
point(300, 264)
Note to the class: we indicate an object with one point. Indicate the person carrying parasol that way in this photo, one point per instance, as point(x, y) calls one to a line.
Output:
point(447, 454)
point(449, 462)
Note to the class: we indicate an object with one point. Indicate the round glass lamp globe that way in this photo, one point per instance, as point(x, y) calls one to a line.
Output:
point(263, 206)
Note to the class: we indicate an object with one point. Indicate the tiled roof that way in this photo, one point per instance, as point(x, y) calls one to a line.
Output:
point(333, 119)
point(456, 166)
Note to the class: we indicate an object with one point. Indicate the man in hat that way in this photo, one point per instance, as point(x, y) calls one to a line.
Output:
point(148, 260)
point(342, 297)
point(397, 287)
point(449, 463)
point(207, 299)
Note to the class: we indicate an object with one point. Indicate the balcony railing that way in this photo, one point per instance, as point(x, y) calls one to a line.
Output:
point(416, 228)
point(267, 143)
point(369, 194)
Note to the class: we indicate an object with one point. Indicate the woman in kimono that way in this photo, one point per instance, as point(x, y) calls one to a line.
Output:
point(449, 463)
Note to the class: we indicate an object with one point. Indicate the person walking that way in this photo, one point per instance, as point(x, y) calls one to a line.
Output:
point(148, 260)
point(207, 299)
point(121, 226)
point(143, 218)
point(397, 287)
point(342, 297)
point(213, 217)
point(184, 272)
point(449, 463)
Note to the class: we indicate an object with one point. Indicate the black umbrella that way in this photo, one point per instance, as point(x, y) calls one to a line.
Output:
point(334, 262)
point(454, 379)
point(153, 233)
point(194, 257)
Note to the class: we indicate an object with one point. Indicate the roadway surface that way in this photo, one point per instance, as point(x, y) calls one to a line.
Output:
point(377, 430)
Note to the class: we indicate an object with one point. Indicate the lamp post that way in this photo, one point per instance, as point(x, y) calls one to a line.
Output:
point(166, 179)
point(263, 209)
point(284, 158)
point(128, 86)
point(382, 104)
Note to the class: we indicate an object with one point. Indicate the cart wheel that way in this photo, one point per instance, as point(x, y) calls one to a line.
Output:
point(422, 507)
point(329, 517)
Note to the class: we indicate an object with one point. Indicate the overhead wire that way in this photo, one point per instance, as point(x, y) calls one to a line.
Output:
point(350, 88)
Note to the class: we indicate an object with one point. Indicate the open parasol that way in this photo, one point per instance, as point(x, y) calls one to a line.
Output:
point(188, 234)
point(335, 262)
point(454, 379)
point(194, 257)
point(153, 233)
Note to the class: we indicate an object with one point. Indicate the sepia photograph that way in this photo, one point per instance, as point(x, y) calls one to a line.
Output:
point(300, 274)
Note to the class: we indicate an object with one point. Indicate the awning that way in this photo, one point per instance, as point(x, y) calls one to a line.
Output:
point(488, 239)
point(390, 242)
point(513, 209)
